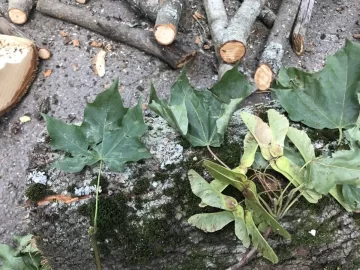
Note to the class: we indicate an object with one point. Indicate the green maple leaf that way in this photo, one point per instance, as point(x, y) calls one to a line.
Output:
point(324, 99)
point(202, 116)
point(109, 133)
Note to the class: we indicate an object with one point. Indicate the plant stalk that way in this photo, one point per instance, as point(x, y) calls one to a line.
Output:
point(93, 230)
point(216, 157)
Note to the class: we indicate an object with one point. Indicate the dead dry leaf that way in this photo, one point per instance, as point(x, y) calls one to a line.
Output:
point(96, 44)
point(24, 119)
point(98, 63)
point(63, 34)
point(199, 16)
point(75, 67)
point(197, 40)
point(58, 198)
point(47, 73)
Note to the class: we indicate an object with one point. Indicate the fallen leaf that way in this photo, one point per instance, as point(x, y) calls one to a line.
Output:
point(58, 198)
point(76, 43)
point(108, 48)
point(63, 33)
point(47, 73)
point(144, 106)
point(24, 119)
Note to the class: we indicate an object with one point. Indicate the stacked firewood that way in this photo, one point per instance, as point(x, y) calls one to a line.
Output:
point(229, 36)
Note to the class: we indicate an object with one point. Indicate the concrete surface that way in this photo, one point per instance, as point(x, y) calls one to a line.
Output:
point(67, 91)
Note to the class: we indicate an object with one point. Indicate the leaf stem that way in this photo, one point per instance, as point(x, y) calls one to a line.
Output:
point(340, 136)
point(93, 230)
point(97, 197)
point(216, 157)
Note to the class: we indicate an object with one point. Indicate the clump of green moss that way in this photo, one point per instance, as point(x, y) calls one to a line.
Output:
point(141, 186)
point(36, 192)
point(71, 188)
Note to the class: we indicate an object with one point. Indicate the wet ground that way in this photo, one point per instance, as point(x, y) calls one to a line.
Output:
point(72, 83)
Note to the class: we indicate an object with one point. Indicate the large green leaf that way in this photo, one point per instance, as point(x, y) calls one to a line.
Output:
point(342, 168)
point(208, 194)
point(258, 240)
point(279, 126)
point(226, 176)
point(211, 222)
point(324, 99)
point(240, 226)
point(25, 257)
point(202, 116)
point(109, 133)
point(351, 196)
point(353, 136)
point(302, 142)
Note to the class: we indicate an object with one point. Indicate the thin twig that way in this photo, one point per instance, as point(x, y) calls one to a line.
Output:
point(216, 157)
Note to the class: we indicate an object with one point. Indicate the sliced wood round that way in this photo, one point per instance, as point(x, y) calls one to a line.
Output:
point(18, 65)
point(232, 51)
point(165, 34)
point(263, 77)
point(17, 16)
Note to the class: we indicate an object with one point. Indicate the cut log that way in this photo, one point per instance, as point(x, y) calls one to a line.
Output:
point(166, 25)
point(301, 24)
point(267, 17)
point(7, 28)
point(233, 43)
point(81, 1)
point(270, 61)
point(18, 65)
point(19, 10)
point(176, 55)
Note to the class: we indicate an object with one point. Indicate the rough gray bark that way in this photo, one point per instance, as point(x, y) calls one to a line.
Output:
point(149, 8)
point(7, 28)
point(233, 42)
point(270, 61)
point(168, 17)
point(19, 10)
point(267, 16)
point(301, 25)
point(176, 55)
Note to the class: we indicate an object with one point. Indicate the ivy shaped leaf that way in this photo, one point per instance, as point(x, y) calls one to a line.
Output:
point(211, 222)
point(351, 196)
point(324, 99)
point(202, 116)
point(109, 133)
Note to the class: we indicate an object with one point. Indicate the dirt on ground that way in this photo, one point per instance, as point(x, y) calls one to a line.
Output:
point(72, 83)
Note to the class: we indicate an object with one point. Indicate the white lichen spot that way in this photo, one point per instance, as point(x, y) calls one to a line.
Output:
point(86, 190)
point(37, 177)
point(312, 232)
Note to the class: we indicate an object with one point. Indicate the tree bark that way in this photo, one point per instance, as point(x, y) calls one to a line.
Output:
point(301, 25)
point(270, 61)
point(166, 25)
point(7, 28)
point(19, 10)
point(149, 8)
point(176, 55)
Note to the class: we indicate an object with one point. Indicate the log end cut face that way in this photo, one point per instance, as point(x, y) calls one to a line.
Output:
point(263, 77)
point(18, 64)
point(232, 51)
point(17, 16)
point(165, 33)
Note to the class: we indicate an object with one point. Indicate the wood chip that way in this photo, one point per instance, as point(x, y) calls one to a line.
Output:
point(75, 42)
point(197, 40)
point(96, 44)
point(199, 16)
point(75, 67)
point(98, 63)
point(47, 73)
point(63, 34)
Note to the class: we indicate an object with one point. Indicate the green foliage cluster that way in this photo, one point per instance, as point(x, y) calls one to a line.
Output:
point(110, 134)
point(26, 256)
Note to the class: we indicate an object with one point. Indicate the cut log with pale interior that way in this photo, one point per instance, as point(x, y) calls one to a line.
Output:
point(263, 77)
point(168, 17)
point(301, 26)
point(44, 53)
point(18, 65)
point(81, 1)
point(276, 44)
point(232, 51)
point(19, 10)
